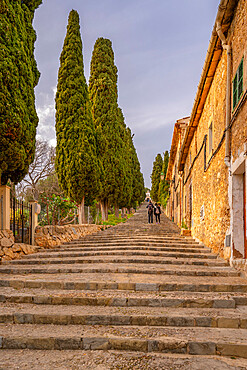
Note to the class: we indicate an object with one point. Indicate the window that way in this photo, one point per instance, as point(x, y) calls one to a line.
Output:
point(238, 84)
point(210, 138)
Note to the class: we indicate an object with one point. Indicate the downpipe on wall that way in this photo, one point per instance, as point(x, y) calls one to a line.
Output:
point(226, 47)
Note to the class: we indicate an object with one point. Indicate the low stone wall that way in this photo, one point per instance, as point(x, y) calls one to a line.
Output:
point(52, 236)
point(45, 237)
point(10, 250)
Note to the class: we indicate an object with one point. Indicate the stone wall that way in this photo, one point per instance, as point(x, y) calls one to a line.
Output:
point(45, 237)
point(10, 250)
point(210, 187)
point(52, 236)
point(238, 39)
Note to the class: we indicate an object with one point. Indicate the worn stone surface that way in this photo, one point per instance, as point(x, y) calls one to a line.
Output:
point(65, 299)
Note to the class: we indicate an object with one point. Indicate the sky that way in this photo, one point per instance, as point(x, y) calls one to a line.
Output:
point(159, 47)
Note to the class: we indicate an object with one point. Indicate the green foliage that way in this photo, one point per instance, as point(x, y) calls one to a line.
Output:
point(76, 158)
point(164, 185)
point(103, 96)
point(113, 220)
point(183, 225)
point(138, 189)
point(18, 77)
point(56, 209)
point(155, 177)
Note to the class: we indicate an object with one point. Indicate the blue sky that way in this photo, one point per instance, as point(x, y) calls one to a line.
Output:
point(159, 46)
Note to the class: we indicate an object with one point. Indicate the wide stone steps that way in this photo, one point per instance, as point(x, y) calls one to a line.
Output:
point(180, 242)
point(124, 252)
point(133, 282)
point(131, 288)
point(166, 257)
point(117, 261)
point(123, 298)
point(115, 360)
point(69, 250)
point(133, 316)
point(182, 270)
point(195, 341)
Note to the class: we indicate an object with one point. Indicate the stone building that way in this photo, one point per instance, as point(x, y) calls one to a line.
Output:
point(174, 207)
point(210, 164)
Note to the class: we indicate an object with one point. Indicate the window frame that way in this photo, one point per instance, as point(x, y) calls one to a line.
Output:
point(237, 85)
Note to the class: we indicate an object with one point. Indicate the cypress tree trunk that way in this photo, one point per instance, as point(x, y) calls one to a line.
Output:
point(102, 210)
point(116, 208)
point(106, 208)
point(81, 217)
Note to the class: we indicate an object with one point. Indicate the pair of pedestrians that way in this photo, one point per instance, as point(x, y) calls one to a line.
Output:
point(153, 209)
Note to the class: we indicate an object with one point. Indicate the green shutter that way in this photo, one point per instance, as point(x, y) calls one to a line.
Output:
point(238, 84)
point(235, 91)
point(240, 79)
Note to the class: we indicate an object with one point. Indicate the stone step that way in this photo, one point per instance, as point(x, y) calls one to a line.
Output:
point(129, 282)
point(127, 316)
point(124, 259)
point(167, 258)
point(194, 341)
point(113, 299)
point(135, 243)
point(153, 238)
point(78, 249)
point(74, 359)
point(116, 252)
point(125, 297)
point(142, 251)
point(183, 270)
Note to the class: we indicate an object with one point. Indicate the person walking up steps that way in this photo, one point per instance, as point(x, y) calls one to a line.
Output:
point(157, 212)
point(150, 208)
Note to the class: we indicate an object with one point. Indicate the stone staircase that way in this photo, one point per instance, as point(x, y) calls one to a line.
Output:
point(134, 291)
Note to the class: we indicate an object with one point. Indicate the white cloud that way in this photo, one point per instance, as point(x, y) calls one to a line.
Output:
point(46, 114)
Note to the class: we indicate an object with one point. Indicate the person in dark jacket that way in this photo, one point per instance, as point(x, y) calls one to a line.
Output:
point(157, 212)
point(150, 208)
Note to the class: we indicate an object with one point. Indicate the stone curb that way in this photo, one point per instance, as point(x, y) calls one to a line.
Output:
point(118, 270)
point(125, 344)
point(126, 320)
point(126, 253)
point(212, 262)
point(147, 287)
point(105, 251)
point(123, 302)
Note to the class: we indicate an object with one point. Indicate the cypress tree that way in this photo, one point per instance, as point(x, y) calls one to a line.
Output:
point(76, 159)
point(164, 184)
point(155, 177)
point(137, 186)
point(127, 180)
point(103, 96)
point(18, 77)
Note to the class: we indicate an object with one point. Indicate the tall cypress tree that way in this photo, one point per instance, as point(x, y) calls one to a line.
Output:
point(76, 159)
point(155, 177)
point(103, 96)
point(126, 180)
point(137, 185)
point(164, 184)
point(18, 77)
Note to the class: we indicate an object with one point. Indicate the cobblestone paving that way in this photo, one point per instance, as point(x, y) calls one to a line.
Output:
point(135, 296)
